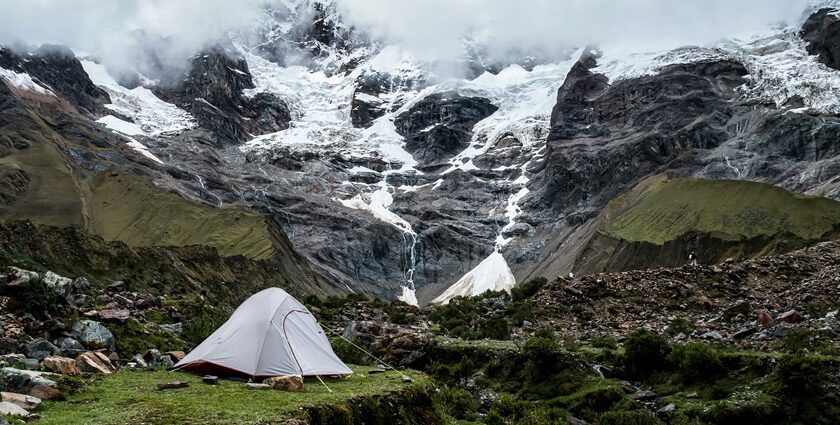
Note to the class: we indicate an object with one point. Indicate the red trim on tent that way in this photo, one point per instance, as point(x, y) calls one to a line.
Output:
point(201, 366)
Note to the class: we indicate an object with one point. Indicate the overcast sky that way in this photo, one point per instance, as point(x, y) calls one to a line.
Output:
point(430, 28)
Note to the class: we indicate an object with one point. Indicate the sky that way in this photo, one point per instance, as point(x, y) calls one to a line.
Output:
point(123, 33)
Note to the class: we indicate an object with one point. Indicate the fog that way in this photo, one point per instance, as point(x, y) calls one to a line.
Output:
point(131, 34)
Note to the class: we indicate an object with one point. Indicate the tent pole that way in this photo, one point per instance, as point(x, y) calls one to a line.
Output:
point(304, 360)
point(357, 347)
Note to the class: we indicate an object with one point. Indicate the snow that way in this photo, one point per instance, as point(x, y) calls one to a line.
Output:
point(152, 116)
point(120, 126)
point(23, 81)
point(492, 274)
point(142, 149)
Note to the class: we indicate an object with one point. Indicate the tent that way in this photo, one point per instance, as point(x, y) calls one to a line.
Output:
point(270, 334)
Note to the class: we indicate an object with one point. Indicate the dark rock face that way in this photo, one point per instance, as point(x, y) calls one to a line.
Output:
point(364, 110)
point(440, 126)
point(213, 91)
point(58, 68)
point(601, 135)
point(822, 33)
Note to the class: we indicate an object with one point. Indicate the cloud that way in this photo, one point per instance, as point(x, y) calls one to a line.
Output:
point(433, 28)
point(133, 34)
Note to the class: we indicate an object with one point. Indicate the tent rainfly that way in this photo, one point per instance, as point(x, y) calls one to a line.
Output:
point(270, 334)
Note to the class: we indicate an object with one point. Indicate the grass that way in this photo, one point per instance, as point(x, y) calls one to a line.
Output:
point(662, 209)
point(133, 398)
point(129, 209)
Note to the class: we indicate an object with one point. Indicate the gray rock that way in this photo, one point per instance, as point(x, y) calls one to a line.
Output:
point(712, 335)
point(139, 362)
point(21, 381)
point(779, 331)
point(10, 360)
point(59, 284)
point(667, 409)
point(3, 421)
point(94, 335)
point(81, 286)
point(70, 347)
point(12, 410)
point(40, 348)
point(82, 300)
point(174, 328)
point(9, 346)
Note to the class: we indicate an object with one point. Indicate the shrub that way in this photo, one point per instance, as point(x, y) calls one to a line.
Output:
point(454, 373)
point(541, 353)
point(527, 289)
point(696, 362)
point(38, 298)
point(507, 410)
point(645, 352)
point(494, 328)
point(799, 377)
point(457, 403)
point(348, 353)
point(605, 342)
point(679, 326)
point(631, 417)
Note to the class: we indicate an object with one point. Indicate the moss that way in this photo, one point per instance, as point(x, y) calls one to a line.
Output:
point(133, 337)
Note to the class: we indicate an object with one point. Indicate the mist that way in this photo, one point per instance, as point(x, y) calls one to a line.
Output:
point(129, 35)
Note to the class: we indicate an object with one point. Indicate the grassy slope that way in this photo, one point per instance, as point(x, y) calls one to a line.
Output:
point(132, 398)
point(128, 209)
point(662, 209)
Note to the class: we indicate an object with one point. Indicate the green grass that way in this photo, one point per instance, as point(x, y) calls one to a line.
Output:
point(662, 209)
point(133, 398)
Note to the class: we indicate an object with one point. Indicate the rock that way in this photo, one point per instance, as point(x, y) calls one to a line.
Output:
point(779, 331)
point(47, 393)
point(81, 286)
point(405, 379)
point(667, 409)
point(176, 355)
point(742, 307)
point(62, 365)
point(116, 286)
point(94, 335)
point(82, 301)
point(40, 348)
point(764, 318)
point(210, 379)
point(9, 409)
point(173, 385)
point(140, 362)
point(59, 284)
point(152, 356)
point(9, 346)
point(643, 395)
point(95, 362)
point(376, 371)
point(712, 335)
point(115, 314)
point(821, 32)
point(174, 328)
point(439, 126)
point(253, 386)
point(293, 383)
point(27, 402)
point(166, 362)
point(743, 333)
point(21, 381)
point(705, 302)
point(8, 360)
point(790, 316)
point(3, 421)
point(70, 347)
point(31, 364)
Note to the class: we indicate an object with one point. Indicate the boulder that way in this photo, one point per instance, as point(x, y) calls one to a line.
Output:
point(139, 362)
point(47, 393)
point(174, 328)
point(81, 286)
point(21, 381)
point(3, 421)
point(790, 316)
point(210, 379)
point(8, 360)
point(176, 355)
point(25, 401)
point(115, 314)
point(764, 318)
point(94, 335)
point(9, 409)
point(59, 284)
point(293, 383)
point(40, 348)
point(9, 346)
point(62, 365)
point(70, 347)
point(95, 362)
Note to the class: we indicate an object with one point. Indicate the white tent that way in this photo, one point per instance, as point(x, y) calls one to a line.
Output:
point(270, 334)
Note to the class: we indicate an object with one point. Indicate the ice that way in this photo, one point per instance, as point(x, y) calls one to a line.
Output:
point(121, 126)
point(151, 115)
point(23, 81)
point(492, 274)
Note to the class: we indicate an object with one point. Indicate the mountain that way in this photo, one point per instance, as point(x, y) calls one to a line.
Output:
point(354, 166)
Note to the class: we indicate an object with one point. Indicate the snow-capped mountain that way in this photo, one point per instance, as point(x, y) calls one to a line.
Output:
point(394, 177)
